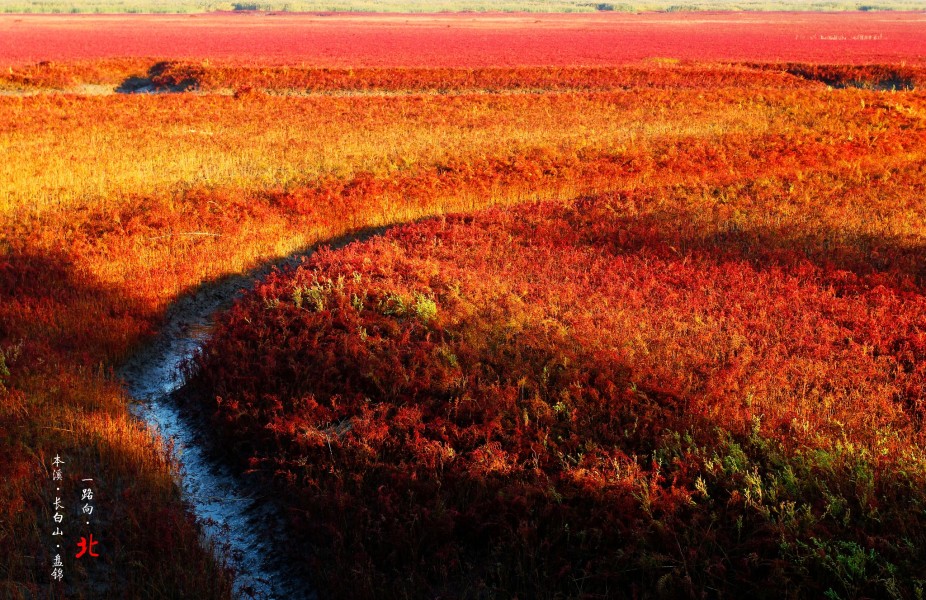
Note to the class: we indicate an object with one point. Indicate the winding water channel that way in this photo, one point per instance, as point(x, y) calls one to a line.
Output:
point(243, 527)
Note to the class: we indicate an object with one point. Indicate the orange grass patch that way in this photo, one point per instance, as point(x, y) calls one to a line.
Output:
point(104, 200)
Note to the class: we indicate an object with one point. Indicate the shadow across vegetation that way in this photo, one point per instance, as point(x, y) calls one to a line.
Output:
point(161, 79)
point(56, 326)
point(868, 77)
point(655, 391)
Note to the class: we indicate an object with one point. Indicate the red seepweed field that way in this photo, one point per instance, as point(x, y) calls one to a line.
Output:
point(469, 40)
point(639, 312)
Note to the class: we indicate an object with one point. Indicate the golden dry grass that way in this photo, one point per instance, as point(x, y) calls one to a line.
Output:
point(103, 200)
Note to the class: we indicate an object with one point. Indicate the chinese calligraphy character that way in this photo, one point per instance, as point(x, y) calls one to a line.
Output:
point(86, 547)
point(86, 494)
point(57, 571)
point(88, 509)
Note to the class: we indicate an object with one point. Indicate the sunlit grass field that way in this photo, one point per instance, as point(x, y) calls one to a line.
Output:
point(629, 246)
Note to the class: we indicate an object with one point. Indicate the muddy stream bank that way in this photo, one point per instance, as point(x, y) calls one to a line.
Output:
point(245, 529)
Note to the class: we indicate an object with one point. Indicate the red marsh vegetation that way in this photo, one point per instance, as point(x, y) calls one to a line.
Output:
point(468, 40)
point(696, 365)
point(680, 389)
